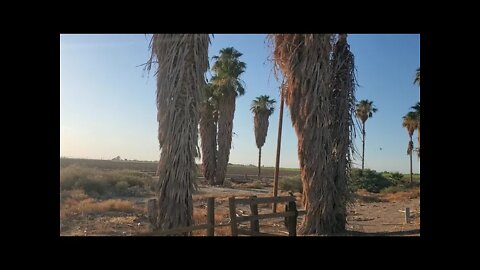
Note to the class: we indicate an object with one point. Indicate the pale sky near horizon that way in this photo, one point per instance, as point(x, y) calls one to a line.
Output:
point(107, 102)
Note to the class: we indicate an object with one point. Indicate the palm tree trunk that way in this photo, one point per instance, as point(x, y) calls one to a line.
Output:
point(319, 110)
point(182, 63)
point(363, 146)
point(411, 172)
point(259, 160)
point(208, 135)
point(418, 136)
point(226, 107)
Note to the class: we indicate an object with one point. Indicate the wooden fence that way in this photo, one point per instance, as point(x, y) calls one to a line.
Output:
point(290, 216)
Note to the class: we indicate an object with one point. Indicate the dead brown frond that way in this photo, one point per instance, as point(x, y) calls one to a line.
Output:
point(319, 90)
point(182, 63)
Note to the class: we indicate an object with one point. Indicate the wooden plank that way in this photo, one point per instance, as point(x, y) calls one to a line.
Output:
point(265, 200)
point(264, 216)
point(233, 216)
point(254, 224)
point(211, 216)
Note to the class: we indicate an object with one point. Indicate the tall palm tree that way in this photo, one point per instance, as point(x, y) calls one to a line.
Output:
point(227, 86)
point(410, 122)
point(182, 62)
point(417, 112)
point(208, 134)
point(417, 77)
point(364, 110)
point(262, 108)
point(318, 70)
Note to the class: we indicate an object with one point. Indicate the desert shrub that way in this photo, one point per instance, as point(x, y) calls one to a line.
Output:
point(394, 189)
point(227, 183)
point(291, 183)
point(93, 186)
point(92, 206)
point(396, 177)
point(97, 183)
point(370, 180)
point(257, 184)
point(121, 187)
point(70, 175)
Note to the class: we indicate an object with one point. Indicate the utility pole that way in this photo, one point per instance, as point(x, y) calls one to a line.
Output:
point(279, 142)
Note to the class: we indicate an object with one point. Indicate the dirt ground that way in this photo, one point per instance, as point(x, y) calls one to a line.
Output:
point(370, 215)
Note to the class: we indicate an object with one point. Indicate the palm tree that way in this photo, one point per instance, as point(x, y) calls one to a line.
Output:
point(208, 134)
point(262, 108)
point(182, 62)
point(318, 70)
point(417, 77)
point(417, 112)
point(364, 110)
point(410, 122)
point(227, 86)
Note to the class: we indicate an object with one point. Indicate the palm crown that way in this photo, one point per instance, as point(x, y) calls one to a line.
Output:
point(365, 110)
point(263, 104)
point(410, 121)
point(228, 69)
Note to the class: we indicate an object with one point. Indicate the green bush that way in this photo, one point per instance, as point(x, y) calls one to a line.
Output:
point(396, 176)
point(370, 180)
point(97, 183)
point(121, 187)
point(291, 183)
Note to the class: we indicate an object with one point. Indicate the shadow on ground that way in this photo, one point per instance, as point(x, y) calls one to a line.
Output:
point(399, 233)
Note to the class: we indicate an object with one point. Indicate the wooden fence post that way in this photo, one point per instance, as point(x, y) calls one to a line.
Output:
point(211, 216)
point(292, 221)
point(233, 216)
point(254, 224)
point(407, 215)
point(152, 212)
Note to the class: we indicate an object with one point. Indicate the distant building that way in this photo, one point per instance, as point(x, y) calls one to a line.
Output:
point(117, 158)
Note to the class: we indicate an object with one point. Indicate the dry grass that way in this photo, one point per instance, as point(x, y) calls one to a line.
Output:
point(221, 217)
point(402, 195)
point(92, 206)
point(363, 195)
point(77, 202)
point(255, 184)
point(69, 201)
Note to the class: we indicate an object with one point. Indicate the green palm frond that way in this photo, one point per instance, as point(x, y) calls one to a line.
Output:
point(263, 104)
point(365, 109)
point(410, 122)
point(227, 70)
point(417, 77)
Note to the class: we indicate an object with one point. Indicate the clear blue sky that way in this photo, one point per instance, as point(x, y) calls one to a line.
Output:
point(107, 102)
